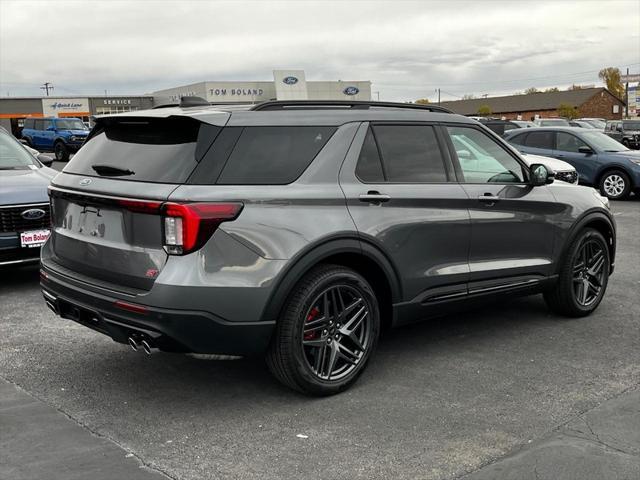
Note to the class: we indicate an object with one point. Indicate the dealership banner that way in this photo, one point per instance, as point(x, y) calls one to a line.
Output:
point(61, 107)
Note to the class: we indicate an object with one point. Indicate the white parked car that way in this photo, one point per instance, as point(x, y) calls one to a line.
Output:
point(564, 171)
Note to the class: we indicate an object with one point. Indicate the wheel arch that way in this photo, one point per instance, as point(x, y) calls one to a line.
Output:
point(599, 221)
point(351, 252)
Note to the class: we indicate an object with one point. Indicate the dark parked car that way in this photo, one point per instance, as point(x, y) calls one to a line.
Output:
point(24, 203)
point(600, 161)
point(500, 126)
point(301, 230)
point(62, 136)
point(626, 132)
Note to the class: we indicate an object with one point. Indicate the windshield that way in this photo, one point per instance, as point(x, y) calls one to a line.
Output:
point(596, 123)
point(631, 125)
point(13, 156)
point(603, 142)
point(71, 124)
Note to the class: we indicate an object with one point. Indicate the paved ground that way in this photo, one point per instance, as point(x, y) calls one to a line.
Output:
point(510, 391)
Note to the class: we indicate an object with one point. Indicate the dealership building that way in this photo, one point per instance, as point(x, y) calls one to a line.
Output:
point(286, 85)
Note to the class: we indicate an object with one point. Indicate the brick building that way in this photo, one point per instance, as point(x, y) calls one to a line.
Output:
point(589, 102)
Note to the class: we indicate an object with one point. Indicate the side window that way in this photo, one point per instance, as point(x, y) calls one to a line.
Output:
point(28, 123)
point(410, 153)
point(540, 140)
point(369, 168)
point(273, 155)
point(482, 160)
point(568, 143)
point(46, 124)
point(37, 124)
point(518, 139)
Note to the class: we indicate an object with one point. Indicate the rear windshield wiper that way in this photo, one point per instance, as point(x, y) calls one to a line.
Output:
point(110, 171)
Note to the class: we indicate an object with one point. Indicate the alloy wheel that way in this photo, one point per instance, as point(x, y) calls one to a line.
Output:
point(588, 272)
point(613, 185)
point(336, 332)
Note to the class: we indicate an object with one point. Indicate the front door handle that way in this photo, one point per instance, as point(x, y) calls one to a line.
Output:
point(374, 197)
point(488, 198)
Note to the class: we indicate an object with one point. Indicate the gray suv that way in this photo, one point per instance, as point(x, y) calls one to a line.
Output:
point(302, 230)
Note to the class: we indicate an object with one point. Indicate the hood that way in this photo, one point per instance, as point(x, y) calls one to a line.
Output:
point(77, 132)
point(635, 154)
point(553, 163)
point(25, 186)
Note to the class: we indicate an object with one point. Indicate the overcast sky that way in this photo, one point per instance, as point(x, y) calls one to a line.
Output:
point(407, 49)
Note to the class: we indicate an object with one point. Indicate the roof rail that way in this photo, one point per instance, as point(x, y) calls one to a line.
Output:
point(346, 104)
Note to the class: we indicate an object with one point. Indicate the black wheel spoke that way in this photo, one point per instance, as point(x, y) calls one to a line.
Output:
point(588, 272)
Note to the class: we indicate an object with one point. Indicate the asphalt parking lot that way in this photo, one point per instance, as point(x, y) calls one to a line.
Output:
point(461, 395)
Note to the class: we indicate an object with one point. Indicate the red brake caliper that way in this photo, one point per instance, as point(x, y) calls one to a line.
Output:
point(312, 315)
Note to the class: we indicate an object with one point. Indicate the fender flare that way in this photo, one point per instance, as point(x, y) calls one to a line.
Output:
point(315, 254)
point(583, 220)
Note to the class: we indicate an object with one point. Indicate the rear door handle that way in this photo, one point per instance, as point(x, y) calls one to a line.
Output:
point(374, 197)
point(488, 198)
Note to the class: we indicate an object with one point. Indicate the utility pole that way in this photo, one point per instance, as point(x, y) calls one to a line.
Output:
point(626, 96)
point(47, 86)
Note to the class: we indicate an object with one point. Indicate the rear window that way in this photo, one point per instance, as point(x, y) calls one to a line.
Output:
point(159, 150)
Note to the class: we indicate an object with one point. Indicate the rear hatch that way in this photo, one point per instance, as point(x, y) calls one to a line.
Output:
point(107, 224)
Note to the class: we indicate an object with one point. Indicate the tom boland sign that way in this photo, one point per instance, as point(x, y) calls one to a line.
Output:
point(236, 92)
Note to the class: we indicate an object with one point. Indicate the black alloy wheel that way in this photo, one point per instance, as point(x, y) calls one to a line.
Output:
point(61, 152)
point(326, 333)
point(583, 276)
point(335, 333)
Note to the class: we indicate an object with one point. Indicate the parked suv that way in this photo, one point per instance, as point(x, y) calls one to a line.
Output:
point(59, 135)
point(301, 230)
point(626, 132)
point(599, 160)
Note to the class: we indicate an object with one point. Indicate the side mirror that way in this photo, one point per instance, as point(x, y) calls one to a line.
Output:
point(45, 160)
point(585, 149)
point(540, 175)
point(464, 154)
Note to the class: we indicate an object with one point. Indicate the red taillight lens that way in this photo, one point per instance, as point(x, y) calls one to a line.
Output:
point(187, 226)
point(131, 307)
point(141, 206)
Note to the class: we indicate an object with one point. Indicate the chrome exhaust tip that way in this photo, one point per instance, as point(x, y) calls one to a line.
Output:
point(133, 343)
point(146, 346)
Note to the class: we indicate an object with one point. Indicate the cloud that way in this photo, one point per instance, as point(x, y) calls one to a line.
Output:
point(407, 49)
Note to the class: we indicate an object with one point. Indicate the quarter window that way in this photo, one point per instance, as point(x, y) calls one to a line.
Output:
point(410, 153)
point(482, 160)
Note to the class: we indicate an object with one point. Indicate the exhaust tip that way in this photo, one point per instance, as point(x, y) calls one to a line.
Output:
point(146, 347)
point(133, 343)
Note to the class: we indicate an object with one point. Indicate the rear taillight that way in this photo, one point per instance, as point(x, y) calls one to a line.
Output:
point(187, 226)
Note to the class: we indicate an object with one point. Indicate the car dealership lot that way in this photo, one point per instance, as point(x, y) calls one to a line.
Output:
point(439, 399)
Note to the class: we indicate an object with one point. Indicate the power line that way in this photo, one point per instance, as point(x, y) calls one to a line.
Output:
point(46, 86)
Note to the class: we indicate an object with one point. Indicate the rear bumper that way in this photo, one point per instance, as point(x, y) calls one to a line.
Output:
point(166, 329)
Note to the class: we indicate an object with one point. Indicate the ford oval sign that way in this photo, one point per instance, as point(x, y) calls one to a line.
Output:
point(85, 181)
point(351, 91)
point(290, 80)
point(33, 214)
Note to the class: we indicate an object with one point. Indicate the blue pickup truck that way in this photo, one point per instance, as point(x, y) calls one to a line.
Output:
point(59, 135)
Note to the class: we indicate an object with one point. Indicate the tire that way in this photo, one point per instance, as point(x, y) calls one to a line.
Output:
point(61, 151)
point(301, 354)
point(615, 184)
point(566, 298)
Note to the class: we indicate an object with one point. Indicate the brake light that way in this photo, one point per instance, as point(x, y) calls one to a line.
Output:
point(140, 206)
point(187, 226)
point(131, 307)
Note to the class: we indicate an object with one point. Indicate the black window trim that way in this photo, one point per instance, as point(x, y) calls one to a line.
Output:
point(449, 169)
point(496, 139)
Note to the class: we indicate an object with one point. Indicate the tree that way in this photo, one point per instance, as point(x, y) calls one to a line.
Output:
point(552, 89)
point(567, 110)
point(575, 87)
point(484, 110)
point(531, 90)
point(611, 77)
point(468, 96)
point(422, 101)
